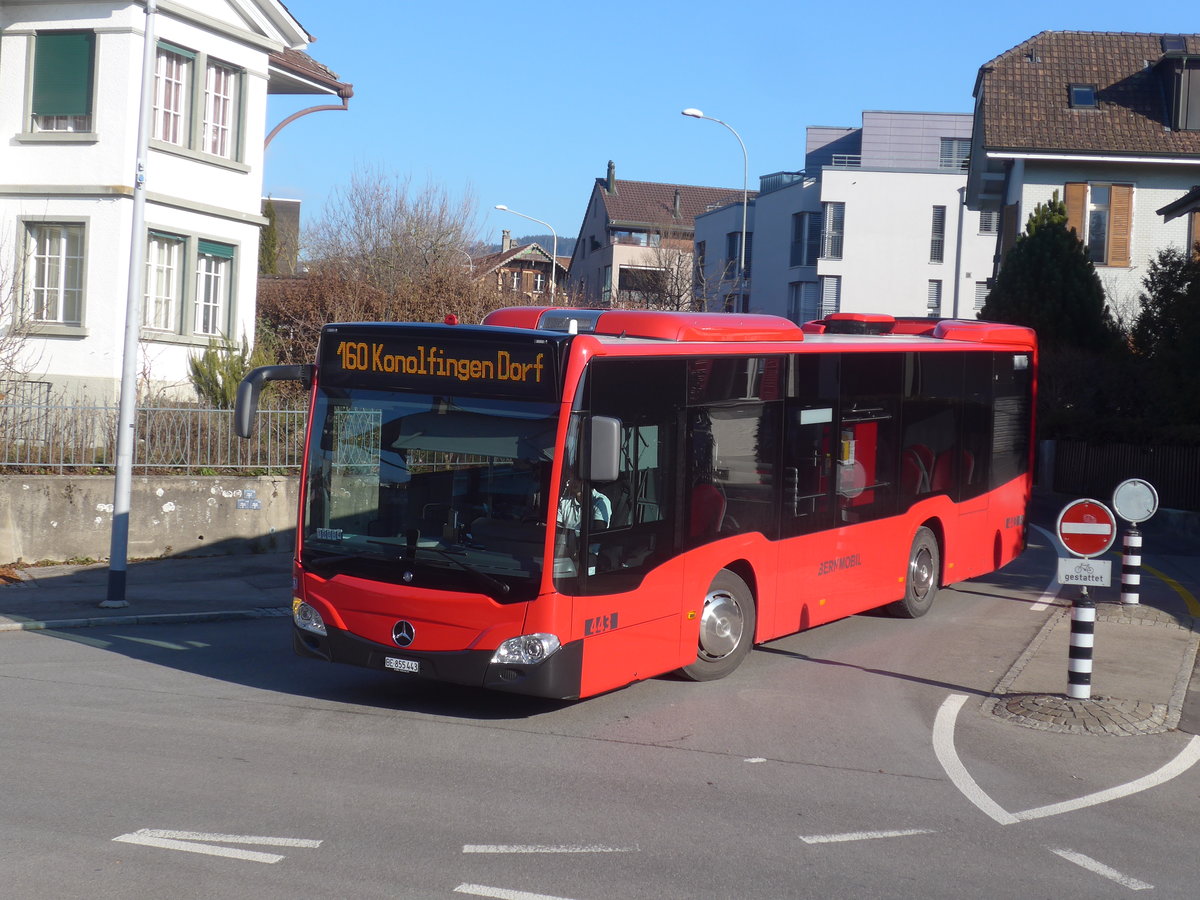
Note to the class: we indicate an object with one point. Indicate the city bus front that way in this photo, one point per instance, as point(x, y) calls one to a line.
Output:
point(423, 527)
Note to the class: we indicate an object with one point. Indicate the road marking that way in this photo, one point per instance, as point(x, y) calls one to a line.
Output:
point(538, 848)
point(860, 836)
point(482, 890)
point(1176, 767)
point(1050, 594)
point(755, 759)
point(1100, 869)
point(1191, 602)
point(943, 748)
point(194, 842)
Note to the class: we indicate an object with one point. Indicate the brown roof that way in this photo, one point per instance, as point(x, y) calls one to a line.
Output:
point(300, 63)
point(492, 261)
point(1025, 95)
point(648, 202)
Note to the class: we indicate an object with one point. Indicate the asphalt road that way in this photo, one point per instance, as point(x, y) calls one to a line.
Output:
point(824, 767)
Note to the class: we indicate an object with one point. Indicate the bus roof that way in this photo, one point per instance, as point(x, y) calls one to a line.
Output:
point(743, 327)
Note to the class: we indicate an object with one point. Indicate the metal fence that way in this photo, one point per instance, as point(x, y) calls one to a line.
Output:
point(48, 439)
point(1094, 470)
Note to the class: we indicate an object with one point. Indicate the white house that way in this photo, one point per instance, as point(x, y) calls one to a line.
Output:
point(1108, 121)
point(875, 222)
point(70, 76)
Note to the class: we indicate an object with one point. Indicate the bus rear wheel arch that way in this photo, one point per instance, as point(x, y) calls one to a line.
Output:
point(727, 621)
point(922, 578)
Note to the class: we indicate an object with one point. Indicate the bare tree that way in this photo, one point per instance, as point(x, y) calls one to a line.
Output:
point(18, 358)
point(381, 251)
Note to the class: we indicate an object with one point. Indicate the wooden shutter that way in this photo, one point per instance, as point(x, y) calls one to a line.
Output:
point(62, 73)
point(1194, 232)
point(1076, 200)
point(1120, 225)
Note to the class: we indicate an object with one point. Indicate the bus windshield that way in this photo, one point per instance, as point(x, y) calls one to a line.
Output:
point(433, 491)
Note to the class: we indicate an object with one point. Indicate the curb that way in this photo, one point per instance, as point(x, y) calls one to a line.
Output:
point(149, 619)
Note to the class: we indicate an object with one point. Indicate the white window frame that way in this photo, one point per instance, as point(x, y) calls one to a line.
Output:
point(831, 294)
point(833, 229)
point(937, 235)
point(214, 275)
point(172, 96)
point(163, 295)
point(220, 109)
point(933, 299)
point(54, 275)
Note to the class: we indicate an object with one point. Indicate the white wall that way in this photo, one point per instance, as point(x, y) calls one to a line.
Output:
point(1154, 186)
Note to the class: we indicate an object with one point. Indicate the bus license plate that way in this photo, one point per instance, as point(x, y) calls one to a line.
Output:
point(401, 665)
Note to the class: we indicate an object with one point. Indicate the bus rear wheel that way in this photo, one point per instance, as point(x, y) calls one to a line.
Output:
point(922, 579)
point(726, 628)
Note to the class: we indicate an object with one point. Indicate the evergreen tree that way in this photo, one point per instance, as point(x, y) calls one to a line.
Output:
point(1166, 338)
point(1048, 283)
point(268, 243)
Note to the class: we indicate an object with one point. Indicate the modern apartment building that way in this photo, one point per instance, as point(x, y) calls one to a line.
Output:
point(876, 221)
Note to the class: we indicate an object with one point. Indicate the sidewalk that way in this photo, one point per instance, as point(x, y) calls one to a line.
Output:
point(184, 589)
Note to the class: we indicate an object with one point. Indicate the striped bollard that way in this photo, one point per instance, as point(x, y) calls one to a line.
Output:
point(1083, 634)
point(1131, 567)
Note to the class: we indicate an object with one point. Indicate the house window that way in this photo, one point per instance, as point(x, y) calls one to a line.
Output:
point(606, 286)
point(220, 92)
point(989, 221)
point(54, 273)
point(1099, 207)
point(833, 224)
point(733, 242)
point(831, 294)
point(1102, 217)
point(214, 276)
point(164, 281)
point(539, 282)
point(981, 295)
point(955, 153)
point(63, 73)
point(804, 301)
point(514, 280)
point(201, 116)
point(933, 302)
point(1083, 96)
point(172, 95)
point(937, 240)
point(806, 239)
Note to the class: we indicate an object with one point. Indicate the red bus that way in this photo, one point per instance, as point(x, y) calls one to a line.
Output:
point(559, 502)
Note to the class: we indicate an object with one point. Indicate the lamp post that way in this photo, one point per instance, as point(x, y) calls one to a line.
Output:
point(554, 252)
point(697, 114)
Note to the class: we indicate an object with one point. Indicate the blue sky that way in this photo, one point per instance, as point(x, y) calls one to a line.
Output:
point(524, 103)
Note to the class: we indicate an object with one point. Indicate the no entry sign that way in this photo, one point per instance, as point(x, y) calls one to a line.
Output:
point(1087, 528)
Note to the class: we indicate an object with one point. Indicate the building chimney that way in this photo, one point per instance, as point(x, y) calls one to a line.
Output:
point(678, 210)
point(611, 186)
point(505, 241)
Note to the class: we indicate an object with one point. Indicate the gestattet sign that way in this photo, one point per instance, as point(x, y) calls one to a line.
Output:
point(1087, 528)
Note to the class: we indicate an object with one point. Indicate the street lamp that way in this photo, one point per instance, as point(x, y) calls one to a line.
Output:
point(697, 114)
point(554, 252)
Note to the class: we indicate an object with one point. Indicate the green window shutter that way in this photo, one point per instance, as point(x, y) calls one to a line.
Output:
point(164, 235)
point(62, 73)
point(172, 48)
point(211, 248)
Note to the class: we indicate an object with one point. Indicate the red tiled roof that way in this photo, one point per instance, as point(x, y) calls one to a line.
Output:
point(1025, 95)
point(493, 261)
point(300, 63)
point(648, 202)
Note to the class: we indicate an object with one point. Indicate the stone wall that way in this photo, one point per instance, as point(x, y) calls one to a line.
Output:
point(60, 517)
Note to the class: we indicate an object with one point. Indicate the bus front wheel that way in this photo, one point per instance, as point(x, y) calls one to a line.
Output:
point(726, 628)
point(922, 578)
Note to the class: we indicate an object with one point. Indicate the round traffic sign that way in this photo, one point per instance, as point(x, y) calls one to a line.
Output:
point(1135, 500)
point(1087, 528)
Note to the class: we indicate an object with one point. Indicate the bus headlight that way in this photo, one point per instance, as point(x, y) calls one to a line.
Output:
point(527, 649)
point(306, 617)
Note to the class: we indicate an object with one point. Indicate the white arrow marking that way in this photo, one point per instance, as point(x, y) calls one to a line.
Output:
point(1100, 869)
point(191, 842)
point(943, 748)
point(537, 848)
point(860, 836)
point(482, 890)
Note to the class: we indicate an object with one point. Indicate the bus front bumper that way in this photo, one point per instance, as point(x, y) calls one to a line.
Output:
point(557, 677)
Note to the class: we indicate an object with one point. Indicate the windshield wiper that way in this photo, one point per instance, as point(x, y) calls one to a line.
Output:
point(495, 583)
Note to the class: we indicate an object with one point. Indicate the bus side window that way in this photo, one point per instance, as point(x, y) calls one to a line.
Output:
point(868, 456)
point(809, 448)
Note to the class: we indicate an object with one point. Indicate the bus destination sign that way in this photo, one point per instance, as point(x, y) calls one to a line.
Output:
point(426, 362)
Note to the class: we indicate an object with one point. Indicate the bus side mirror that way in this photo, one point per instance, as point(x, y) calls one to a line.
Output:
point(248, 390)
point(605, 448)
